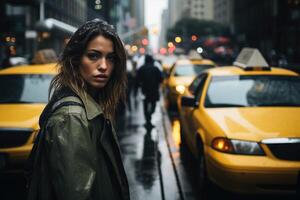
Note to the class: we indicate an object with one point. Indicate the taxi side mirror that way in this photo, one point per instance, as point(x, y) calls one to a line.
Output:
point(188, 101)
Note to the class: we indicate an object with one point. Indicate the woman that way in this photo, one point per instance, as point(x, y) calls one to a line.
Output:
point(79, 153)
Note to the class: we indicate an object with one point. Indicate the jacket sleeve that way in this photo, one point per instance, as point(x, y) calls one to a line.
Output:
point(71, 156)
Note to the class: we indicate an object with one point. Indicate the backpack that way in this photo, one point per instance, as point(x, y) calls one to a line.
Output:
point(35, 154)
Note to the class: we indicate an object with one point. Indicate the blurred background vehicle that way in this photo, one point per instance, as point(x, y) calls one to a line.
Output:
point(18, 61)
point(24, 94)
point(180, 75)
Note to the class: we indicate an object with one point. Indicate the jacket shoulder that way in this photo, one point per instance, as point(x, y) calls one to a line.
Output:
point(71, 105)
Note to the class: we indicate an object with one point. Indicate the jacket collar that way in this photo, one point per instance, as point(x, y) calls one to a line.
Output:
point(92, 108)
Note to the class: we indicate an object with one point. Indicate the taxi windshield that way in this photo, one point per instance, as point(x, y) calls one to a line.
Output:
point(190, 69)
point(24, 88)
point(251, 91)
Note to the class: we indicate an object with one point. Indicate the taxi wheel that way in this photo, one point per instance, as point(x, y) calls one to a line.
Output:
point(182, 139)
point(184, 149)
point(201, 167)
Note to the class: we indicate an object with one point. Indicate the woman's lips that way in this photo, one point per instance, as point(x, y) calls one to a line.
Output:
point(101, 77)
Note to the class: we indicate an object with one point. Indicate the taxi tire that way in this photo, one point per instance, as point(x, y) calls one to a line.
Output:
point(182, 138)
point(207, 189)
point(201, 167)
point(184, 149)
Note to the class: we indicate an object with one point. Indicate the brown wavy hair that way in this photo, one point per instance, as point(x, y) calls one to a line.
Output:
point(70, 60)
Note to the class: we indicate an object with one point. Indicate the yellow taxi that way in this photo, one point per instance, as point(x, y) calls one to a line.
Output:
point(24, 94)
point(181, 74)
point(242, 125)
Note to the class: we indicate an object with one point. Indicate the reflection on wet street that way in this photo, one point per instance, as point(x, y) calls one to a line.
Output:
point(140, 154)
point(146, 167)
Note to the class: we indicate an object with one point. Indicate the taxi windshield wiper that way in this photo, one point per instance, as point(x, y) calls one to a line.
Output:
point(224, 105)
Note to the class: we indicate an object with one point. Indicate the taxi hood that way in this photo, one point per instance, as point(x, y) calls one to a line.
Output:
point(256, 124)
point(20, 115)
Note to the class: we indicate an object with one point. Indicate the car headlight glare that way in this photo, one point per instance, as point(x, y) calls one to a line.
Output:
point(223, 145)
point(247, 147)
point(180, 89)
point(237, 146)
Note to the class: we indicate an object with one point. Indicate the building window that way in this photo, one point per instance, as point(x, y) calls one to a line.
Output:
point(14, 10)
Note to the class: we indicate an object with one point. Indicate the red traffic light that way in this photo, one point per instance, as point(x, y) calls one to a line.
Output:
point(194, 37)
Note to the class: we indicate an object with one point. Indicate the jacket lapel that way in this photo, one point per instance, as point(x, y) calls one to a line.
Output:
point(93, 110)
point(113, 152)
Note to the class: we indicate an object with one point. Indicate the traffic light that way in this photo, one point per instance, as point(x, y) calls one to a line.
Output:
point(194, 38)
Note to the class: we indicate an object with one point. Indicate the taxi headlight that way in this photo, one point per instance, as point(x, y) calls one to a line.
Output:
point(180, 89)
point(237, 146)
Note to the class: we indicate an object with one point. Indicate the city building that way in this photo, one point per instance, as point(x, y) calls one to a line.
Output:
point(137, 10)
point(198, 9)
point(223, 12)
point(175, 11)
point(132, 28)
point(27, 26)
point(271, 26)
point(163, 28)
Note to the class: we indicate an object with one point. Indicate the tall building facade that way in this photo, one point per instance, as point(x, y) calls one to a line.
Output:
point(163, 28)
point(132, 20)
point(23, 27)
point(175, 11)
point(269, 25)
point(223, 13)
point(137, 10)
point(199, 9)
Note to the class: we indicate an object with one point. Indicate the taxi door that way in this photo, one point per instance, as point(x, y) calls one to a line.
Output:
point(189, 118)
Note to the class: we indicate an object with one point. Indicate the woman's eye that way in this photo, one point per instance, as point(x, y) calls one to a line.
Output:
point(111, 58)
point(93, 56)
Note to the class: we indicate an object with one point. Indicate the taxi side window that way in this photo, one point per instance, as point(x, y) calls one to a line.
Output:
point(196, 84)
point(171, 70)
point(199, 89)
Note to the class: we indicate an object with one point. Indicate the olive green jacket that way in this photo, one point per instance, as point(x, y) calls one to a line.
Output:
point(81, 157)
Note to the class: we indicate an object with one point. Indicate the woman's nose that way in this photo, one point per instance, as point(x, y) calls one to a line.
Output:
point(102, 65)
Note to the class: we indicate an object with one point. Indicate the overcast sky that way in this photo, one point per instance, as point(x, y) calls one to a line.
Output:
point(153, 11)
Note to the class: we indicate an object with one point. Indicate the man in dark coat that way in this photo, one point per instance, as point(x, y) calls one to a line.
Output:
point(149, 78)
point(6, 61)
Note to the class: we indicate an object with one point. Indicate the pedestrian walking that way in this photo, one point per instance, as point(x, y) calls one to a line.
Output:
point(6, 61)
point(77, 156)
point(149, 78)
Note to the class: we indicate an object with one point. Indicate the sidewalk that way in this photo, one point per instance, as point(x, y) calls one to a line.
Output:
point(146, 155)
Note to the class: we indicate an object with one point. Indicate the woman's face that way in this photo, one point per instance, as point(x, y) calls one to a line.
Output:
point(97, 63)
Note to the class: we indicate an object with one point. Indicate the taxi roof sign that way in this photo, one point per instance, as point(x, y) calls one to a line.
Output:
point(251, 58)
point(194, 55)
